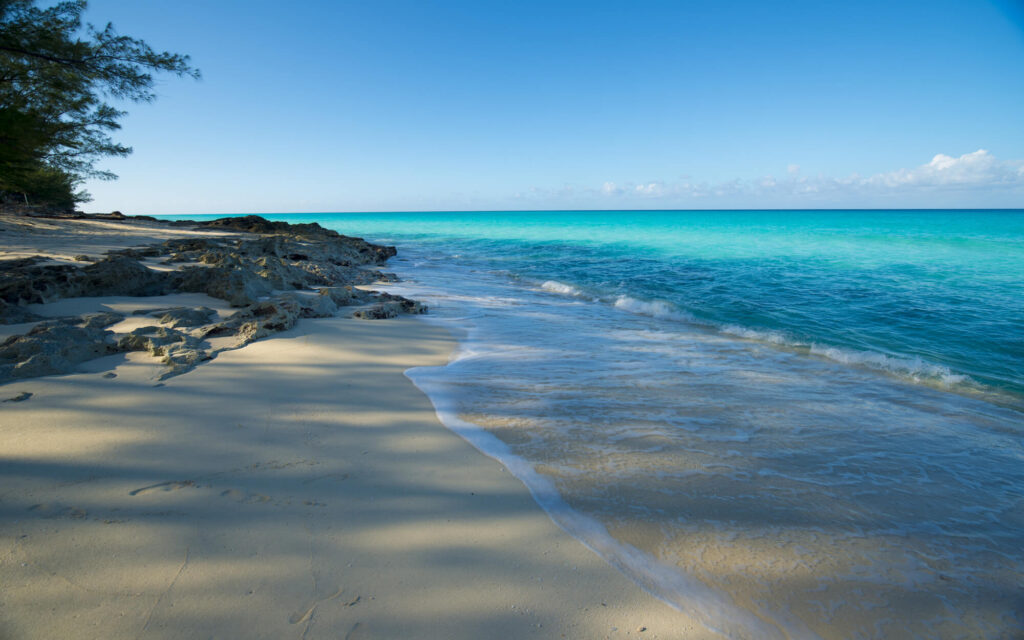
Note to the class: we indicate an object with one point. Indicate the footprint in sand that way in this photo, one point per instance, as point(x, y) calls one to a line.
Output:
point(172, 485)
point(243, 497)
point(57, 510)
point(303, 615)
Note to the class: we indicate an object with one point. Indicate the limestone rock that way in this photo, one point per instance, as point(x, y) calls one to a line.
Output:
point(259, 320)
point(184, 316)
point(179, 351)
point(54, 346)
point(15, 314)
point(391, 307)
point(238, 286)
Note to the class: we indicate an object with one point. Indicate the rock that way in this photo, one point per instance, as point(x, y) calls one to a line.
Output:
point(16, 314)
point(313, 306)
point(100, 320)
point(152, 339)
point(52, 347)
point(182, 358)
point(405, 304)
point(345, 296)
point(13, 264)
point(121, 276)
point(84, 258)
point(21, 397)
point(390, 307)
point(246, 271)
point(380, 311)
point(239, 287)
point(259, 320)
point(184, 316)
point(179, 351)
point(30, 284)
point(113, 276)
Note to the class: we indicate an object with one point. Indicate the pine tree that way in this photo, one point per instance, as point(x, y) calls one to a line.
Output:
point(55, 80)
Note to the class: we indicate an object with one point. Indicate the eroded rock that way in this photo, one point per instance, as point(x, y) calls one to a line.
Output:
point(53, 347)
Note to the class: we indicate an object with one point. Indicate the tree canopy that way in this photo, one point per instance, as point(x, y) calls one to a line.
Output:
point(56, 78)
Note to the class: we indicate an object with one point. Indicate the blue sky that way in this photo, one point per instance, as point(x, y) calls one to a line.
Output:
point(420, 105)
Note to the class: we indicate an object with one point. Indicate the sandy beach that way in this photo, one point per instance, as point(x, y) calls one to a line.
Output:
point(299, 486)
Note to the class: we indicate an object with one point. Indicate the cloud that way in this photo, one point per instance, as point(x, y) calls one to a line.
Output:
point(979, 168)
point(976, 177)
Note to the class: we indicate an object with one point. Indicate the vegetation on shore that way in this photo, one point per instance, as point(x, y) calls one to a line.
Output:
point(56, 80)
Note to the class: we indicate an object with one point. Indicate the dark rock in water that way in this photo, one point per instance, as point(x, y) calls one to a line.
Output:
point(84, 258)
point(52, 347)
point(378, 312)
point(21, 397)
point(405, 304)
point(391, 307)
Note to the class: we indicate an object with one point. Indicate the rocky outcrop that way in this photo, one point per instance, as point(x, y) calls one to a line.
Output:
point(258, 320)
point(30, 283)
point(179, 351)
point(286, 273)
point(391, 307)
point(184, 316)
point(16, 314)
point(56, 346)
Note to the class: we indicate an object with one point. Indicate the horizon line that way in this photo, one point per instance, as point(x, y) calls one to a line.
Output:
point(299, 213)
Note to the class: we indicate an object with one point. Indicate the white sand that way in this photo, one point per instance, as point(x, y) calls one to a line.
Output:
point(300, 487)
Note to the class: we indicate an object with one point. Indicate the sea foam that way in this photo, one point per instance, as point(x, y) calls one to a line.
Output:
point(913, 368)
point(560, 287)
point(653, 308)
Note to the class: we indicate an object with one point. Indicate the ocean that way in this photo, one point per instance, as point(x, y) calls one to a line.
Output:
point(791, 424)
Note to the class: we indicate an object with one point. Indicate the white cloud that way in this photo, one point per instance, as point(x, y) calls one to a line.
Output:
point(979, 168)
point(972, 179)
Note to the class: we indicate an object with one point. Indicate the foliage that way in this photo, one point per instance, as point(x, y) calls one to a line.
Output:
point(55, 79)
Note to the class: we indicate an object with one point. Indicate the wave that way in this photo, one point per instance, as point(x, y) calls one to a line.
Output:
point(914, 368)
point(910, 368)
point(772, 337)
point(653, 308)
point(560, 287)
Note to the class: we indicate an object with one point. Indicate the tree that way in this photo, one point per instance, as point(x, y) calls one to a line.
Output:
point(55, 81)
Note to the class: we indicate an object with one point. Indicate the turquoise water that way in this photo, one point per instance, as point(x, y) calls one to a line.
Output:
point(788, 424)
point(937, 295)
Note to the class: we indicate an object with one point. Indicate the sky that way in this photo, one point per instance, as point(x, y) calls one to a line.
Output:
point(418, 105)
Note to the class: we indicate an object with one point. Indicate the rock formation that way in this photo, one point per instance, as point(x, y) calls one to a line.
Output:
point(273, 272)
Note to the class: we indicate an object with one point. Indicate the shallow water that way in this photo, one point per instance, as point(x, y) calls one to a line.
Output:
point(792, 424)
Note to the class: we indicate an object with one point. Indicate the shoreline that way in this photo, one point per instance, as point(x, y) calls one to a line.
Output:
point(299, 485)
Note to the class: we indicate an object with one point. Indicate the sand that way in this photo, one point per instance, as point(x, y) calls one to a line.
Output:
point(299, 487)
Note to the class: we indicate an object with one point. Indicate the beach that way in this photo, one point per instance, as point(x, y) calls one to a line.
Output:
point(296, 486)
